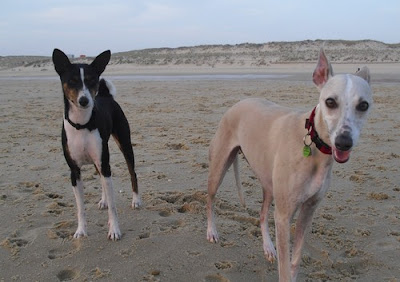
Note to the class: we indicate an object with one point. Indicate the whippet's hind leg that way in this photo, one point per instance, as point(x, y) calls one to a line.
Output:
point(268, 246)
point(220, 159)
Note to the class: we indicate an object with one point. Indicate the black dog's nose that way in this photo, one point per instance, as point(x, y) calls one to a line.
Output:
point(344, 142)
point(83, 101)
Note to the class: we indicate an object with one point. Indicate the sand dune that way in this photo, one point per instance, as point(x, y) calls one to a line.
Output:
point(239, 55)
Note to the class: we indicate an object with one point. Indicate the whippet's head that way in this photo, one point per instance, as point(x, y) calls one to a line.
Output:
point(345, 101)
point(80, 82)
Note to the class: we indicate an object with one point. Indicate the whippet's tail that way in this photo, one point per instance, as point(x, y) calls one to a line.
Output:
point(237, 179)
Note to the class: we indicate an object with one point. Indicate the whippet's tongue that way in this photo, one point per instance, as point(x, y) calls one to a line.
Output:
point(341, 156)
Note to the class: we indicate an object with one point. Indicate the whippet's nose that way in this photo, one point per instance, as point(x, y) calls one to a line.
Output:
point(344, 142)
point(83, 101)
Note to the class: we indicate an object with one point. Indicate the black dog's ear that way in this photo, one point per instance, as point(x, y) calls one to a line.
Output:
point(60, 61)
point(101, 61)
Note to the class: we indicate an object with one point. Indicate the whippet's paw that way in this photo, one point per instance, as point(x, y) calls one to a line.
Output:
point(270, 257)
point(102, 205)
point(136, 201)
point(114, 234)
point(212, 236)
point(80, 233)
point(270, 254)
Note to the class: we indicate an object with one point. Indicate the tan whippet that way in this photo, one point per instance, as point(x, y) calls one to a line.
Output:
point(292, 153)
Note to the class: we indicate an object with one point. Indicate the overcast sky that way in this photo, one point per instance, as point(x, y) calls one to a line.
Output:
point(88, 27)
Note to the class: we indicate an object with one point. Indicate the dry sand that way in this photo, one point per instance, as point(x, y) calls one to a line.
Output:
point(355, 234)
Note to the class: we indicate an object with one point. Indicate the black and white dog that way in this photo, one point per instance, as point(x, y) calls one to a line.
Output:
point(91, 115)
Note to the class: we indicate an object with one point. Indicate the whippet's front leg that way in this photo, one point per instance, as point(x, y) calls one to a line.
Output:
point(114, 232)
point(79, 197)
point(303, 221)
point(282, 226)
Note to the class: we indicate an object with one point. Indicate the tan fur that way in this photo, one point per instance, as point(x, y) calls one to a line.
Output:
point(271, 138)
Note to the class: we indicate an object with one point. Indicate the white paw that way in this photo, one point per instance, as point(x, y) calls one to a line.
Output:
point(269, 252)
point(80, 232)
point(136, 201)
point(103, 205)
point(212, 235)
point(114, 234)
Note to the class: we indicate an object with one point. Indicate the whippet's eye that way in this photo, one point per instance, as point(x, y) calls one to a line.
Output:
point(362, 107)
point(331, 103)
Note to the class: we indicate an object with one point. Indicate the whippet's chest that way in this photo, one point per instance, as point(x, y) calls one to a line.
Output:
point(84, 146)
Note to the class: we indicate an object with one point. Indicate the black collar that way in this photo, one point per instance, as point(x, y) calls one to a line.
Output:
point(90, 125)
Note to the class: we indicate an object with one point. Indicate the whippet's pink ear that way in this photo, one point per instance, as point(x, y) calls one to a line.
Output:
point(364, 74)
point(323, 71)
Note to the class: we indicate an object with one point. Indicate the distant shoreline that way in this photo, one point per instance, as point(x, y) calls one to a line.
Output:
point(387, 72)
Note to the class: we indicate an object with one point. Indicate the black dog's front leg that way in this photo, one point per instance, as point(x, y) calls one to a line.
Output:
point(77, 186)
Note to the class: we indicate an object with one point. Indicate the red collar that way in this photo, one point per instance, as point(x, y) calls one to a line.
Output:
point(310, 126)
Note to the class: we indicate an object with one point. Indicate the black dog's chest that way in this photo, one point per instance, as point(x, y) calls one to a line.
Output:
point(84, 146)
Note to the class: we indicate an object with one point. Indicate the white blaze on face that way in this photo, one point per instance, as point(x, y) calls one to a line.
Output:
point(346, 106)
point(85, 91)
point(350, 119)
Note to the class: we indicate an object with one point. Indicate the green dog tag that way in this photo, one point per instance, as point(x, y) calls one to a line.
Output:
point(306, 151)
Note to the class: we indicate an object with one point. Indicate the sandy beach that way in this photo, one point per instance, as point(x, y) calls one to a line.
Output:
point(173, 113)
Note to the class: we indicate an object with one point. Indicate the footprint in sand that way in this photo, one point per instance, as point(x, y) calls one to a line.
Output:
point(54, 196)
point(165, 213)
point(194, 207)
point(193, 253)
point(67, 249)
point(98, 273)
point(15, 242)
point(167, 225)
point(67, 274)
point(56, 208)
point(14, 245)
point(216, 278)
point(222, 265)
point(144, 235)
point(168, 203)
point(61, 230)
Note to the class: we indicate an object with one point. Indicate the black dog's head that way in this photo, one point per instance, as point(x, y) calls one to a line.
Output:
point(80, 82)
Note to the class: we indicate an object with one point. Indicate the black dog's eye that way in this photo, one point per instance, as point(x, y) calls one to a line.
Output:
point(362, 107)
point(73, 81)
point(331, 103)
point(91, 81)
